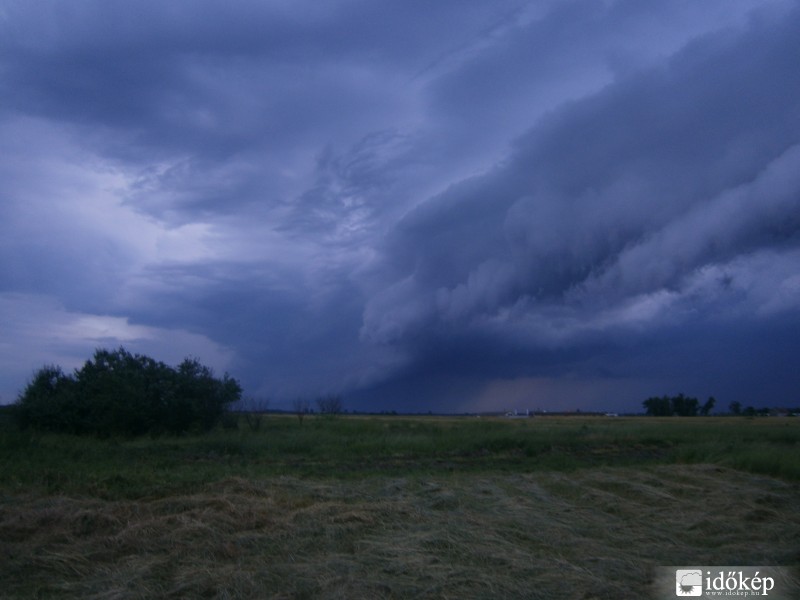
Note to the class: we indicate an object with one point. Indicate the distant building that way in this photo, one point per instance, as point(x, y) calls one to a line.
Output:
point(518, 415)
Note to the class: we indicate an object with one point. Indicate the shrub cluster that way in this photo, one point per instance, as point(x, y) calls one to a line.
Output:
point(117, 392)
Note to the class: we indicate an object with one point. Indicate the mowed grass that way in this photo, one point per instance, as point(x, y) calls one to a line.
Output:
point(397, 507)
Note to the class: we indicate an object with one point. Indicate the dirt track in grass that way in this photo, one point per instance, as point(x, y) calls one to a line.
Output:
point(585, 534)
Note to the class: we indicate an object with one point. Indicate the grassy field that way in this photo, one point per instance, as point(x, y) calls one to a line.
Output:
point(396, 507)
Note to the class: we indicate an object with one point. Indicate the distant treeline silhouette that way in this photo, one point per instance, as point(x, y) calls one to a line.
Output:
point(685, 406)
point(117, 392)
point(680, 405)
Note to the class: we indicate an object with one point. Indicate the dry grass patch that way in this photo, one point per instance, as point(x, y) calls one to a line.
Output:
point(587, 534)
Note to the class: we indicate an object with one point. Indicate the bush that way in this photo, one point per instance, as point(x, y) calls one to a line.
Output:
point(117, 392)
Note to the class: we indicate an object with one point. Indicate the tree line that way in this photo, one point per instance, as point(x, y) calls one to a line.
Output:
point(117, 392)
point(685, 406)
point(680, 405)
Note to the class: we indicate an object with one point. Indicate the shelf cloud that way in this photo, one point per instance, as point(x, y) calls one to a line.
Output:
point(452, 207)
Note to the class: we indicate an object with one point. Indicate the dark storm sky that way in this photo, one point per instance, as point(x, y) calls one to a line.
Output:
point(447, 206)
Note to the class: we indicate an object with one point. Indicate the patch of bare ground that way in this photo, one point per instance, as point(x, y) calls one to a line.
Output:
point(585, 534)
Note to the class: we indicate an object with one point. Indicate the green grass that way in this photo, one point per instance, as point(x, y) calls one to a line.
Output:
point(353, 447)
point(396, 507)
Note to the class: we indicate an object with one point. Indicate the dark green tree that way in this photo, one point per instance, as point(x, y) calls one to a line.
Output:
point(124, 393)
point(658, 406)
point(666, 406)
point(48, 401)
point(708, 406)
point(735, 408)
point(684, 406)
point(202, 396)
point(116, 392)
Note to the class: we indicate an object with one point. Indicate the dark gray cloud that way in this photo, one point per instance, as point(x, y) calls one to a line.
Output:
point(660, 196)
point(457, 206)
point(647, 180)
